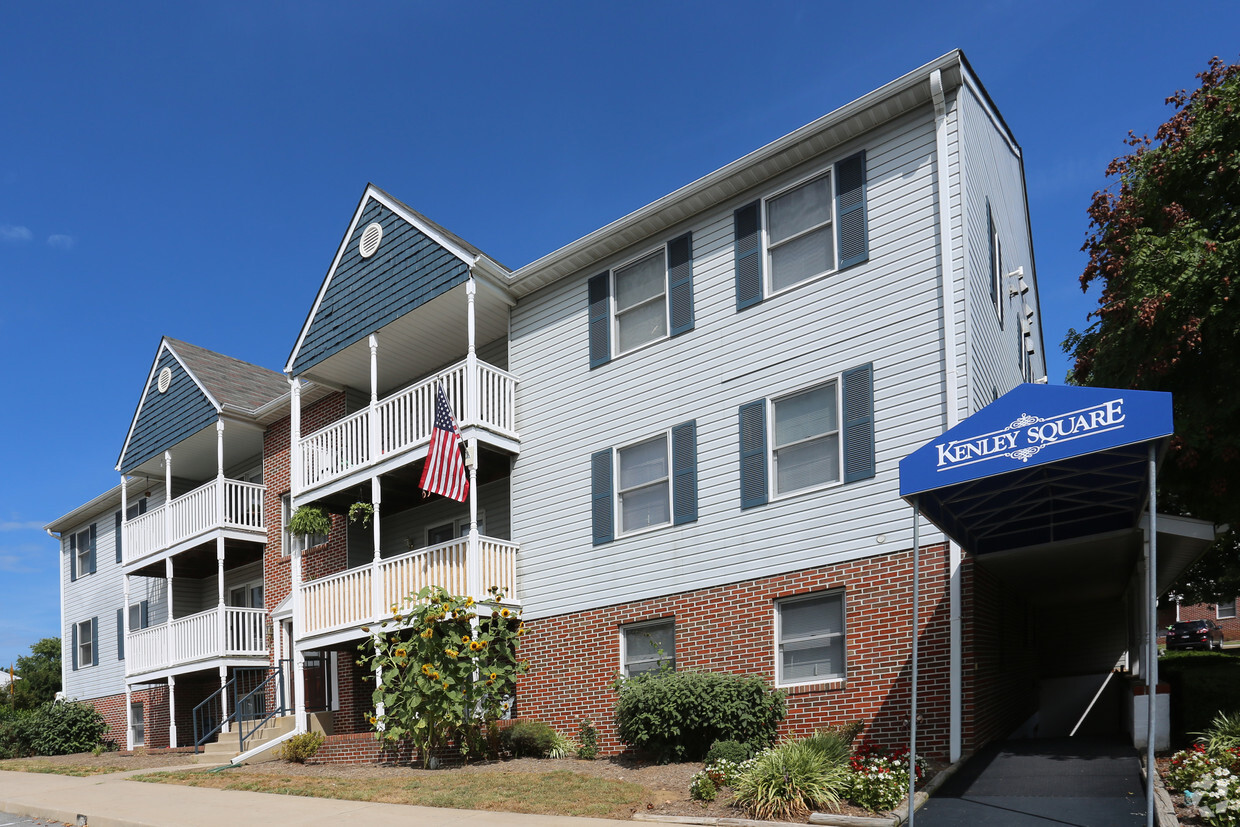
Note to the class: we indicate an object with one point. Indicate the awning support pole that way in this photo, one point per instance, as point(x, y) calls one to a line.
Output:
point(1151, 644)
point(912, 729)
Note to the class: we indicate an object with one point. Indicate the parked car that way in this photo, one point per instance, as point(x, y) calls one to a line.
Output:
point(1195, 634)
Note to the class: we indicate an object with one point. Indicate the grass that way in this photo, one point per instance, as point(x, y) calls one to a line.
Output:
point(554, 793)
point(77, 770)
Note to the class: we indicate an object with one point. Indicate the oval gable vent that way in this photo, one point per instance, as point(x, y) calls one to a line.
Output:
point(369, 242)
point(165, 379)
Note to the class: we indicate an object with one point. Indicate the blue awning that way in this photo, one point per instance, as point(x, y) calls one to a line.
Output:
point(1040, 464)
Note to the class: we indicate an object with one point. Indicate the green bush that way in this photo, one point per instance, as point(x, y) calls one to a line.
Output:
point(831, 745)
point(18, 729)
point(1223, 734)
point(587, 735)
point(66, 728)
point(1202, 685)
point(532, 739)
point(733, 751)
point(702, 787)
point(786, 782)
point(300, 747)
point(678, 715)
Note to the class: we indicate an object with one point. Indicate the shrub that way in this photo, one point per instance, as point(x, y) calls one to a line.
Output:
point(1217, 796)
point(562, 746)
point(702, 787)
point(300, 747)
point(533, 739)
point(678, 715)
point(831, 745)
point(785, 782)
point(587, 733)
point(17, 732)
point(65, 728)
point(1223, 734)
point(724, 772)
point(733, 751)
point(879, 782)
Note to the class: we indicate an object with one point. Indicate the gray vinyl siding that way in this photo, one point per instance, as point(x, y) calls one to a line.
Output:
point(883, 311)
point(191, 595)
point(169, 417)
point(363, 294)
point(494, 353)
point(992, 172)
point(99, 595)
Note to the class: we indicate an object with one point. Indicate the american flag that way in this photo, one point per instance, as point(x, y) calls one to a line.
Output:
point(444, 472)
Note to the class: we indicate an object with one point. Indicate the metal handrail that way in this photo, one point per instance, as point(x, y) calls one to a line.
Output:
point(276, 674)
point(211, 709)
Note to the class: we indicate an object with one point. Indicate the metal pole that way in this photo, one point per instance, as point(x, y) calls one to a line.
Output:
point(1151, 644)
point(912, 730)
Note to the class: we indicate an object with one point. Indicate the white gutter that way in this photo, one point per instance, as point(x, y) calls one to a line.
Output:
point(951, 393)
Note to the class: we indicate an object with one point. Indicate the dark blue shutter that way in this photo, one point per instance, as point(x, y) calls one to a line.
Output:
point(684, 473)
point(748, 249)
point(680, 282)
point(118, 536)
point(142, 506)
point(753, 453)
point(72, 557)
point(120, 634)
point(850, 210)
point(858, 423)
point(94, 640)
point(73, 646)
point(599, 289)
point(94, 534)
point(146, 614)
point(994, 265)
point(601, 511)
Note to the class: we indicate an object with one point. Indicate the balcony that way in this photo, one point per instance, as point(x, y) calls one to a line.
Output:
point(401, 423)
point(365, 595)
point(199, 637)
point(220, 504)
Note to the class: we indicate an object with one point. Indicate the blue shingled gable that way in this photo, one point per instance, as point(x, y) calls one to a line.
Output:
point(363, 294)
point(164, 419)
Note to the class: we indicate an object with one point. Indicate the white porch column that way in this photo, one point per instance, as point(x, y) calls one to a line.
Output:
point(220, 516)
point(473, 564)
point(125, 625)
point(219, 573)
point(168, 499)
point(372, 430)
point(124, 517)
point(299, 659)
point(224, 698)
point(172, 711)
point(377, 609)
point(471, 360)
point(128, 716)
point(294, 438)
point(169, 654)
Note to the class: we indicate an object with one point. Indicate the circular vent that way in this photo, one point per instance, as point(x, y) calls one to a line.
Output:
point(371, 237)
point(165, 379)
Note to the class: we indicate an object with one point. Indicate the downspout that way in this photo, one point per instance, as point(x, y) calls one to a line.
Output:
point(951, 394)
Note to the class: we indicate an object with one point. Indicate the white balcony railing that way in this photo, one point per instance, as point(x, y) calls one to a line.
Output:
point(235, 504)
point(403, 421)
point(348, 599)
point(197, 637)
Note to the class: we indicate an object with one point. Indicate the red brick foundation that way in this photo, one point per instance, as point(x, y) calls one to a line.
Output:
point(575, 657)
point(155, 711)
point(359, 748)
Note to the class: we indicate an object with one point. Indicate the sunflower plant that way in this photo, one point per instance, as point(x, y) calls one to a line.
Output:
point(446, 670)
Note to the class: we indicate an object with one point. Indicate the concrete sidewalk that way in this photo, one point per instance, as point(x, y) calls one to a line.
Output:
point(115, 801)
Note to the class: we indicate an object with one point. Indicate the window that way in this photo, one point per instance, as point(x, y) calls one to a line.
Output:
point(84, 643)
point(641, 301)
point(645, 485)
point(800, 244)
point(812, 228)
point(139, 724)
point(646, 647)
point(246, 595)
point(139, 615)
point(996, 264)
point(643, 488)
point(810, 632)
point(1226, 610)
point(805, 439)
point(293, 542)
point(82, 550)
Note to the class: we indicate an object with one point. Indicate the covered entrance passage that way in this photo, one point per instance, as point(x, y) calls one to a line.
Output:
point(1049, 493)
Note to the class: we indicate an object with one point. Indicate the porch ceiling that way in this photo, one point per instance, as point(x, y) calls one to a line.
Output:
point(194, 458)
point(200, 561)
point(419, 343)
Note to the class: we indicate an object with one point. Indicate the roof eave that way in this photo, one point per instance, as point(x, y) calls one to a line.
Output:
point(103, 503)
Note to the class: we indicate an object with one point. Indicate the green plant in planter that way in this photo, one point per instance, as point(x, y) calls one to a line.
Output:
point(310, 520)
point(361, 511)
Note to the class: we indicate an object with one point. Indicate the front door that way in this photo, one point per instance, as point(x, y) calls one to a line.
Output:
point(318, 681)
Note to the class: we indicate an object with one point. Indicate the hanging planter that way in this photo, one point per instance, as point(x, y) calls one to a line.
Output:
point(310, 521)
point(361, 511)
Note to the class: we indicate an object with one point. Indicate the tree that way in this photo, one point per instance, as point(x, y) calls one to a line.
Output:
point(39, 673)
point(1164, 245)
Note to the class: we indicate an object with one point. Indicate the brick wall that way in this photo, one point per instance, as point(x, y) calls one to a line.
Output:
point(355, 696)
point(359, 748)
point(155, 710)
point(1200, 611)
point(575, 657)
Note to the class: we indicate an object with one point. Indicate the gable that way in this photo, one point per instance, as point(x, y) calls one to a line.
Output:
point(361, 295)
point(166, 418)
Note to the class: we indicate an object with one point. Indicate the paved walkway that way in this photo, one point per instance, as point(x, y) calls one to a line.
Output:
point(1078, 782)
point(114, 801)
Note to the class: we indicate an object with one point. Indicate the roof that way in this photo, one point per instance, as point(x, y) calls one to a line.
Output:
point(108, 501)
point(232, 382)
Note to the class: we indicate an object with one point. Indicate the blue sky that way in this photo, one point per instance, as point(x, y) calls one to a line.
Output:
point(189, 168)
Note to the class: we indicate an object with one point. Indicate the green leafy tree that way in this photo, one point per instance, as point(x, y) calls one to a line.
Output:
point(1164, 247)
point(39, 674)
point(449, 670)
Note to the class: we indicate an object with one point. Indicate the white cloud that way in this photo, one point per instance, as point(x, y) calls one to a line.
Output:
point(9, 232)
point(19, 525)
point(61, 241)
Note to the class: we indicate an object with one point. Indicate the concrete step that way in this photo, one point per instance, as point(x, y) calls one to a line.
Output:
point(227, 745)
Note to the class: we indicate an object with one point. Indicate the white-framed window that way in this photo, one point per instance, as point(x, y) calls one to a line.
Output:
point(1226, 610)
point(453, 529)
point(295, 542)
point(805, 439)
point(809, 634)
point(997, 291)
point(643, 489)
point(647, 646)
point(138, 619)
point(82, 546)
point(138, 722)
point(86, 643)
point(639, 288)
point(248, 595)
point(800, 239)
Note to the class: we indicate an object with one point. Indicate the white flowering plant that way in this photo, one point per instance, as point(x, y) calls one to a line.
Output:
point(1216, 795)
